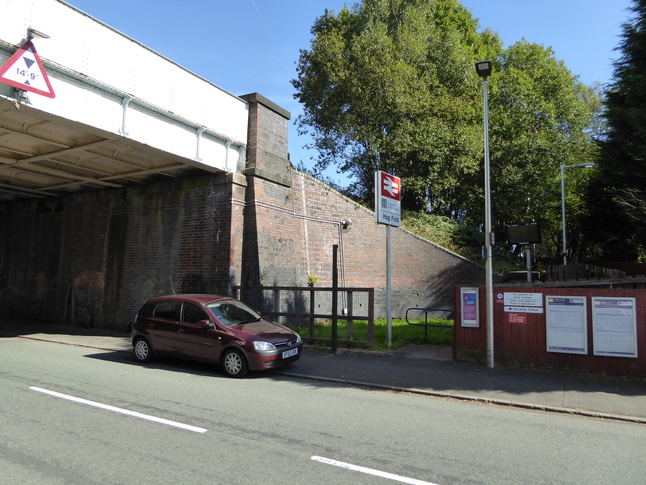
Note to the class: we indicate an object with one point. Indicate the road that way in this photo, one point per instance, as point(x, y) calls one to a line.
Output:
point(77, 415)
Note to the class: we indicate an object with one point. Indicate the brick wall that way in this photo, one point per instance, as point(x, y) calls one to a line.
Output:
point(95, 257)
point(293, 220)
point(297, 226)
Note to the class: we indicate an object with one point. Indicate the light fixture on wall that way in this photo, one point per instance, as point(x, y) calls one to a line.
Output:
point(31, 33)
point(346, 224)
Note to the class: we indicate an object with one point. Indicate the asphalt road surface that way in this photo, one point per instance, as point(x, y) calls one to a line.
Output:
point(73, 415)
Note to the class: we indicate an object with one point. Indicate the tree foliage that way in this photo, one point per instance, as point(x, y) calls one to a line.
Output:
point(541, 117)
point(618, 194)
point(391, 85)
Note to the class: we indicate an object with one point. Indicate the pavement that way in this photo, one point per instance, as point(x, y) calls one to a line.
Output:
point(421, 369)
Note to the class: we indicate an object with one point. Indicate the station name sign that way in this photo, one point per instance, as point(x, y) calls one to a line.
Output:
point(387, 199)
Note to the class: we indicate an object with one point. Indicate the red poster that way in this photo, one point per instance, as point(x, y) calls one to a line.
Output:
point(517, 317)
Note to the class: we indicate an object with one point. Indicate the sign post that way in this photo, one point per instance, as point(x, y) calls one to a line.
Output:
point(335, 296)
point(388, 212)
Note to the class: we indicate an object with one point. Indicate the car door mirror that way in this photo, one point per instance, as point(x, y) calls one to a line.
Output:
point(207, 324)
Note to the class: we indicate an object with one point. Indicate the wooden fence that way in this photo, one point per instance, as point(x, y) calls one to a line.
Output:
point(582, 272)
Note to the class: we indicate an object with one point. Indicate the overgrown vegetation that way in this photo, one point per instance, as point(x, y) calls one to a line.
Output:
point(402, 332)
point(391, 85)
point(616, 197)
point(459, 237)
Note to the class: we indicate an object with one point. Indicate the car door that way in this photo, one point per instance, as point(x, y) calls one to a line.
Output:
point(161, 325)
point(195, 339)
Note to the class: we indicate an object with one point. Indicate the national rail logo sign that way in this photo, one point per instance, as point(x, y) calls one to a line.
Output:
point(390, 186)
point(387, 199)
point(24, 70)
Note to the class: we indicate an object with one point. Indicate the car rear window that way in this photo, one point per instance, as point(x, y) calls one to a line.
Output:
point(166, 309)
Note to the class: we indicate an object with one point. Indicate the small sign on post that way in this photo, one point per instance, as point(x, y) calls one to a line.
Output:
point(387, 199)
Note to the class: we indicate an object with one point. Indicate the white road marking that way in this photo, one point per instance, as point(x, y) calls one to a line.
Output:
point(370, 471)
point(120, 410)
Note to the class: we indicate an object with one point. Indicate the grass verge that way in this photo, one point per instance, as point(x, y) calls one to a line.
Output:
point(402, 332)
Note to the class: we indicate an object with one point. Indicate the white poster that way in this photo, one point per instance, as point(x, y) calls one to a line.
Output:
point(523, 302)
point(567, 329)
point(614, 326)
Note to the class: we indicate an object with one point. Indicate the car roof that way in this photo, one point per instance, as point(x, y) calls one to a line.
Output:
point(193, 297)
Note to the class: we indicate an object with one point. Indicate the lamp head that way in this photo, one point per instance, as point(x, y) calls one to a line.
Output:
point(31, 33)
point(483, 68)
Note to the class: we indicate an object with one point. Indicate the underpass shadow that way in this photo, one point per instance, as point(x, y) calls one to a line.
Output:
point(17, 328)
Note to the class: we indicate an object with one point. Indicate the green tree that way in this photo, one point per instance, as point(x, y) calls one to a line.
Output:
point(617, 220)
point(390, 85)
point(541, 117)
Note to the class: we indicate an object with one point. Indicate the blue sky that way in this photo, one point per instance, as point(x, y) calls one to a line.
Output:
point(247, 46)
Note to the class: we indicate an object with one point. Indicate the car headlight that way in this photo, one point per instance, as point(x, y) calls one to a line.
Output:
point(260, 345)
point(298, 339)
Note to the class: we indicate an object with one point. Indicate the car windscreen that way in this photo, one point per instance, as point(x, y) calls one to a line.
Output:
point(233, 312)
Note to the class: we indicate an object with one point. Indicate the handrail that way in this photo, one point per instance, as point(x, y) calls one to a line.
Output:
point(426, 324)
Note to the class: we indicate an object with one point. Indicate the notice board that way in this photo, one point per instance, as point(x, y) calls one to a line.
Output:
point(567, 327)
point(614, 326)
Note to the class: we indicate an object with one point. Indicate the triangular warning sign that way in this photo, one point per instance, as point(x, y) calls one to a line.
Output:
point(25, 70)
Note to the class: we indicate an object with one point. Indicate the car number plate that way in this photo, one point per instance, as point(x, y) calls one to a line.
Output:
point(290, 353)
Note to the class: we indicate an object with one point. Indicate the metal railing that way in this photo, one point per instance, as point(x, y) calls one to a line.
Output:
point(426, 324)
point(288, 295)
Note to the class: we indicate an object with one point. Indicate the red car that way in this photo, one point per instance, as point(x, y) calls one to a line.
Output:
point(214, 329)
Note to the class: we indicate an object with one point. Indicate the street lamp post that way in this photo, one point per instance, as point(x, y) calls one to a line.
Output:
point(563, 167)
point(483, 68)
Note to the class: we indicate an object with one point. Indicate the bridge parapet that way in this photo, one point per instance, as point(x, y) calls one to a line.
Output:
point(107, 80)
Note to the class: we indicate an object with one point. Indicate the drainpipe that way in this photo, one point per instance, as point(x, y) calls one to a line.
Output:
point(242, 158)
point(124, 105)
point(200, 130)
point(227, 145)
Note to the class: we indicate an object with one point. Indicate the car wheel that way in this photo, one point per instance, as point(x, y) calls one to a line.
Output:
point(234, 363)
point(142, 350)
